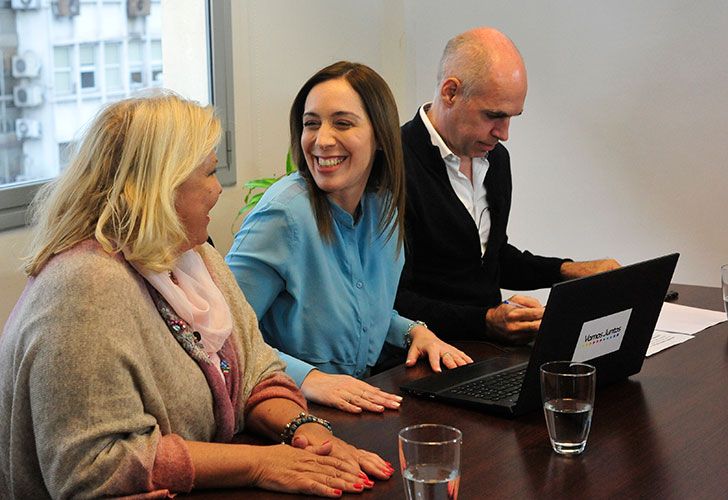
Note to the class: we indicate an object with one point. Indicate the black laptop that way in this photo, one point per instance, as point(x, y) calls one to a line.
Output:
point(606, 320)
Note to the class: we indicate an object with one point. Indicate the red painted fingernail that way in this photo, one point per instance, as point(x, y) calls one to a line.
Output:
point(358, 486)
point(337, 492)
point(388, 463)
point(369, 482)
point(363, 476)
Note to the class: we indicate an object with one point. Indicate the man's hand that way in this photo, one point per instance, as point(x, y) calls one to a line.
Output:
point(571, 270)
point(516, 322)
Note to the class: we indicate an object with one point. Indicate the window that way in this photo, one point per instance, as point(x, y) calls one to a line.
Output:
point(135, 51)
point(155, 62)
point(87, 66)
point(99, 53)
point(221, 91)
point(63, 81)
point(112, 67)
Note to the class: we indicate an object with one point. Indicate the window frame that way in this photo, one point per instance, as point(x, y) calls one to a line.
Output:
point(15, 199)
point(219, 23)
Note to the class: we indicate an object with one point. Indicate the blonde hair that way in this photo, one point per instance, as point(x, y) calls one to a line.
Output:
point(120, 185)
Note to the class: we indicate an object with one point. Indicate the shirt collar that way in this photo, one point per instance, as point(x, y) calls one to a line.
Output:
point(344, 218)
point(435, 138)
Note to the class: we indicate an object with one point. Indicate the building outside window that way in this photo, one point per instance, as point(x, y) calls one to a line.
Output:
point(61, 60)
point(87, 66)
point(155, 62)
point(63, 79)
point(68, 59)
point(112, 67)
point(135, 51)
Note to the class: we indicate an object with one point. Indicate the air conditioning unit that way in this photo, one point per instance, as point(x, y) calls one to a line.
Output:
point(27, 129)
point(138, 8)
point(25, 4)
point(66, 8)
point(26, 65)
point(27, 96)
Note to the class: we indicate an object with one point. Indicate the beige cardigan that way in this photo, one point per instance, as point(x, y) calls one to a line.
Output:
point(95, 392)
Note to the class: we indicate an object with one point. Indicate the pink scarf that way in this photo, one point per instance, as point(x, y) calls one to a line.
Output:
point(197, 300)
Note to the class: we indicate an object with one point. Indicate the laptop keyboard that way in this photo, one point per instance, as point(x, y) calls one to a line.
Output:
point(494, 388)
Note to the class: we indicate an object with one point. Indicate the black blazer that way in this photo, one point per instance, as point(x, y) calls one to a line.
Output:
point(445, 282)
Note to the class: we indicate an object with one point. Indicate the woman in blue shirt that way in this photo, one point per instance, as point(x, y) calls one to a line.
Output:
point(320, 256)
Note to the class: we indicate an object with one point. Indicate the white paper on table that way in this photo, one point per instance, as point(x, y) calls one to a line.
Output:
point(683, 319)
point(662, 340)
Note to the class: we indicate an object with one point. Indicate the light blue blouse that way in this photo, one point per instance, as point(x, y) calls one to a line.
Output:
point(323, 305)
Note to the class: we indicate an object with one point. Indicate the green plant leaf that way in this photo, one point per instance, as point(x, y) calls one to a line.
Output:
point(249, 206)
point(255, 199)
point(260, 183)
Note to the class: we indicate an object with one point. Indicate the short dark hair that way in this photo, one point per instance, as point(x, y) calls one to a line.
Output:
point(387, 175)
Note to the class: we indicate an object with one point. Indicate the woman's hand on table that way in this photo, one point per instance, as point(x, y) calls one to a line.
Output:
point(347, 393)
point(293, 470)
point(326, 469)
point(426, 343)
point(317, 439)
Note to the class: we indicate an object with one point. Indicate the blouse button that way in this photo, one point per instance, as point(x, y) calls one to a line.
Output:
point(359, 284)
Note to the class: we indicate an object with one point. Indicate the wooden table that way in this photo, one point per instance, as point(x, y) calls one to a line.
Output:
point(661, 434)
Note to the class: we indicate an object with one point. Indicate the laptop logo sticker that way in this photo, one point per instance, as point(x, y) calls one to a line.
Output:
point(601, 336)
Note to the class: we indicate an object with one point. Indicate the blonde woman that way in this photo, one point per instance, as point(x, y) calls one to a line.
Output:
point(132, 357)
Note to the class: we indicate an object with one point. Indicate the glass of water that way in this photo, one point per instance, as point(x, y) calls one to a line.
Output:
point(429, 458)
point(724, 284)
point(567, 391)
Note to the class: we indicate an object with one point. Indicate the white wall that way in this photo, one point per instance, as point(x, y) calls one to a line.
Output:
point(621, 150)
point(277, 46)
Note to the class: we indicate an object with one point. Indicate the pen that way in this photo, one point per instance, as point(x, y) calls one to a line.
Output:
point(514, 304)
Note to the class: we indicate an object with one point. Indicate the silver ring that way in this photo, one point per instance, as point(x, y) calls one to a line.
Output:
point(448, 353)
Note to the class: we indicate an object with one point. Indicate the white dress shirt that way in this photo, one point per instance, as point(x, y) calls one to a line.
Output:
point(470, 194)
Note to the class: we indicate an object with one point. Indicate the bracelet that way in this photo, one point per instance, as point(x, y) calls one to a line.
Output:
point(302, 418)
point(408, 333)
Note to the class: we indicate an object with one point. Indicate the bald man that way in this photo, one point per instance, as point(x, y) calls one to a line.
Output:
point(459, 198)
